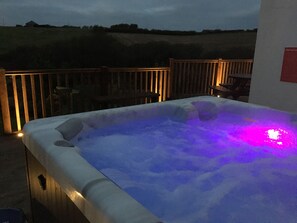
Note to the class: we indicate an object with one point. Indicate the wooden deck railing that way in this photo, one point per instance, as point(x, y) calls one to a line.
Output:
point(193, 77)
point(32, 94)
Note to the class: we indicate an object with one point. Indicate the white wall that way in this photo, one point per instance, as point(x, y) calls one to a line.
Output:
point(277, 30)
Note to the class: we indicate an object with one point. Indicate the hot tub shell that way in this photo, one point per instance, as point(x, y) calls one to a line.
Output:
point(68, 187)
point(53, 159)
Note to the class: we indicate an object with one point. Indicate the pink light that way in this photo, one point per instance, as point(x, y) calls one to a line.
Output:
point(277, 136)
point(258, 135)
point(273, 134)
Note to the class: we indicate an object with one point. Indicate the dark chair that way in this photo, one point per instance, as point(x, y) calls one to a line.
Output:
point(12, 215)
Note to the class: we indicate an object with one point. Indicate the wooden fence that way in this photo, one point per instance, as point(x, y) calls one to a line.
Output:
point(31, 94)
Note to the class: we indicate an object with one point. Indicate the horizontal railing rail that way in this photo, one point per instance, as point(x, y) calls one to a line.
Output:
point(31, 94)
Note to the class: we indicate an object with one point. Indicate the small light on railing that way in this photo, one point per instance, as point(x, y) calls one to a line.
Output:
point(218, 96)
point(20, 134)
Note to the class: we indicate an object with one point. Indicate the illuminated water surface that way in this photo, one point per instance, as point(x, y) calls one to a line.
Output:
point(229, 169)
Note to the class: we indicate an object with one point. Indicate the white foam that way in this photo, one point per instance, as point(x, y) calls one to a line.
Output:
point(186, 171)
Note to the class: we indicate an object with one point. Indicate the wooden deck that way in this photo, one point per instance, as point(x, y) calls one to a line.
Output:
point(14, 192)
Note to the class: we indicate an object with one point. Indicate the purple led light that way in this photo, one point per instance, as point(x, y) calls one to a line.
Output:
point(278, 137)
point(273, 134)
point(258, 135)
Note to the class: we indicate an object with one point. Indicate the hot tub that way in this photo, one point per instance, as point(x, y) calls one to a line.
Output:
point(202, 159)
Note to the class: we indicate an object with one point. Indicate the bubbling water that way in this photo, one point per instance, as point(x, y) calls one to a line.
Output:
point(217, 170)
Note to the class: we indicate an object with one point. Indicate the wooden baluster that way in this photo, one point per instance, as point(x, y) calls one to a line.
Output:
point(25, 98)
point(4, 103)
point(16, 103)
point(42, 96)
point(34, 101)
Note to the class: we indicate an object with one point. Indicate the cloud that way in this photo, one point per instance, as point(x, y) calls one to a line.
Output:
point(158, 14)
point(159, 10)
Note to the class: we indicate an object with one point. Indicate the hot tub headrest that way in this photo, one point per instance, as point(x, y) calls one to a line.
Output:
point(207, 110)
point(70, 128)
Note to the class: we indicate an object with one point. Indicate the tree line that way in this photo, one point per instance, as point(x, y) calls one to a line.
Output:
point(133, 28)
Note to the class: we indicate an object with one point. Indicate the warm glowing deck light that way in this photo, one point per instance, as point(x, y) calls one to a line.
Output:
point(218, 96)
point(20, 134)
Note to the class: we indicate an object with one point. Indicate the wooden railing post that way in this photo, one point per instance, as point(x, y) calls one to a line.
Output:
point(219, 72)
point(104, 81)
point(4, 103)
point(170, 78)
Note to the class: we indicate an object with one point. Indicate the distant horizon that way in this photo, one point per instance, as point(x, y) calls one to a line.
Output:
point(108, 27)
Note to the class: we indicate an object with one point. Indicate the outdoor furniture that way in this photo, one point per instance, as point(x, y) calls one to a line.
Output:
point(123, 99)
point(13, 215)
point(92, 97)
point(239, 86)
point(66, 99)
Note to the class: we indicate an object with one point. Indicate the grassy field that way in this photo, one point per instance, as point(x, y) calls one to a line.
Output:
point(214, 41)
point(14, 37)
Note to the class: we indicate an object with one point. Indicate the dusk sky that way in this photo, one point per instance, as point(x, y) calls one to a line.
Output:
point(152, 14)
